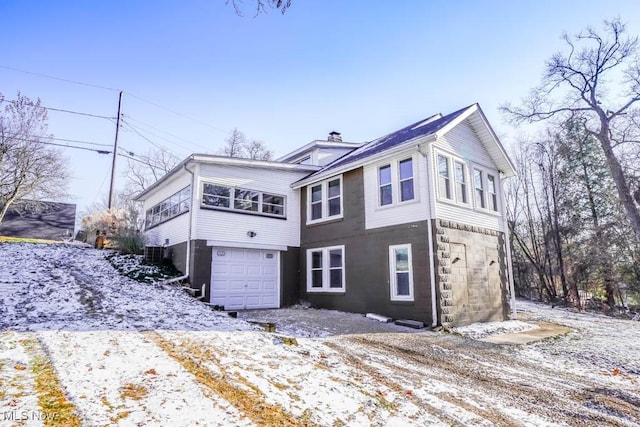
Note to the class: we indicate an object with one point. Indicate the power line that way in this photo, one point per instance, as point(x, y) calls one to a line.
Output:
point(75, 141)
point(58, 78)
point(165, 132)
point(176, 113)
point(133, 128)
point(61, 110)
point(72, 146)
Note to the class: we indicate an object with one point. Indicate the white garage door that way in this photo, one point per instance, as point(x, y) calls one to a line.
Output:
point(244, 278)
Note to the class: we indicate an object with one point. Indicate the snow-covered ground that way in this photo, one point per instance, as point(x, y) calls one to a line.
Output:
point(127, 353)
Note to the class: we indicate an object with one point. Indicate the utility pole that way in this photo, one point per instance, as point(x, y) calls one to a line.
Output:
point(115, 154)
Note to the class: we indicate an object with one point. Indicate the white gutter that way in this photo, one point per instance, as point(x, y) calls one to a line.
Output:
point(432, 268)
point(191, 217)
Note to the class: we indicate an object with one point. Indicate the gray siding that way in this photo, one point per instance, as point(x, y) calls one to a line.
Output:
point(367, 259)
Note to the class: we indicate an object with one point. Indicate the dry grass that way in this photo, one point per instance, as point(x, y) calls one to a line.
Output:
point(51, 397)
point(7, 239)
point(248, 400)
point(133, 391)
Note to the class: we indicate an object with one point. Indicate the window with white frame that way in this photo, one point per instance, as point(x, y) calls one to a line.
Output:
point(492, 194)
point(460, 172)
point(444, 177)
point(324, 200)
point(401, 272)
point(395, 182)
point(386, 188)
point(405, 172)
point(242, 200)
point(170, 207)
point(325, 269)
point(478, 180)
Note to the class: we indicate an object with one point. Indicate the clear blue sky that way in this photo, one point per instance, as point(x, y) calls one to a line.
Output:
point(363, 68)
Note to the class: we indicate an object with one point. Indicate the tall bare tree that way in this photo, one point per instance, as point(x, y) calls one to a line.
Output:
point(261, 6)
point(578, 85)
point(146, 169)
point(29, 168)
point(237, 145)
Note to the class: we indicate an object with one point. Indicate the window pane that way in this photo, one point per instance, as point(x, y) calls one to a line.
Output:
point(443, 166)
point(406, 190)
point(459, 172)
point(246, 200)
point(334, 188)
point(335, 278)
point(384, 174)
point(273, 209)
point(316, 259)
point(386, 197)
point(215, 201)
point(316, 279)
point(216, 190)
point(461, 190)
point(444, 188)
point(402, 259)
point(402, 284)
point(316, 210)
point(406, 169)
point(272, 199)
point(334, 207)
point(335, 258)
point(477, 177)
point(491, 182)
point(316, 193)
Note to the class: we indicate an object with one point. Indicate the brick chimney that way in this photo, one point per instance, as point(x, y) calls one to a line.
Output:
point(335, 136)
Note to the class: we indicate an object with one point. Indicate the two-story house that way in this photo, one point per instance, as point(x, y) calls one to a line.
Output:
point(410, 225)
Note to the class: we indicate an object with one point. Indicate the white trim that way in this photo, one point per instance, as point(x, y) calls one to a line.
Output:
point(245, 245)
point(452, 159)
point(326, 270)
point(392, 273)
point(324, 215)
point(396, 190)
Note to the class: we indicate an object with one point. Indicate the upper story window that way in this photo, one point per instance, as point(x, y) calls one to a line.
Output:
point(452, 179)
point(493, 196)
point(170, 207)
point(444, 177)
point(478, 180)
point(395, 182)
point(324, 200)
point(325, 269)
point(460, 170)
point(386, 189)
point(242, 200)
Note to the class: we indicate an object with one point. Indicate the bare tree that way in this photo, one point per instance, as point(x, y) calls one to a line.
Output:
point(257, 150)
point(577, 86)
point(144, 170)
point(236, 145)
point(261, 6)
point(29, 168)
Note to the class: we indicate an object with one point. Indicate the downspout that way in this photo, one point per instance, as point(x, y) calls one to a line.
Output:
point(432, 271)
point(507, 243)
point(191, 216)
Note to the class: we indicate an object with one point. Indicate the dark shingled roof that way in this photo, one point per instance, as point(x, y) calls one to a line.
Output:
point(431, 125)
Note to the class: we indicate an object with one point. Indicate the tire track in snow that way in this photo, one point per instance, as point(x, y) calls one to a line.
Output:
point(552, 403)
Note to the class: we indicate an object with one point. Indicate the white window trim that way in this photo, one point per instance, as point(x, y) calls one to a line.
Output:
point(485, 186)
point(451, 159)
point(232, 199)
point(325, 200)
point(392, 273)
point(395, 182)
point(326, 270)
point(495, 194)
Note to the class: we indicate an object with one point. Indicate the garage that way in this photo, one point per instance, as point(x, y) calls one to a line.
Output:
point(244, 278)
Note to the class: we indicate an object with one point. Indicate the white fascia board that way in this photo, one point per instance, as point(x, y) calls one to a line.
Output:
point(475, 109)
point(222, 160)
point(365, 161)
point(317, 143)
point(245, 245)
